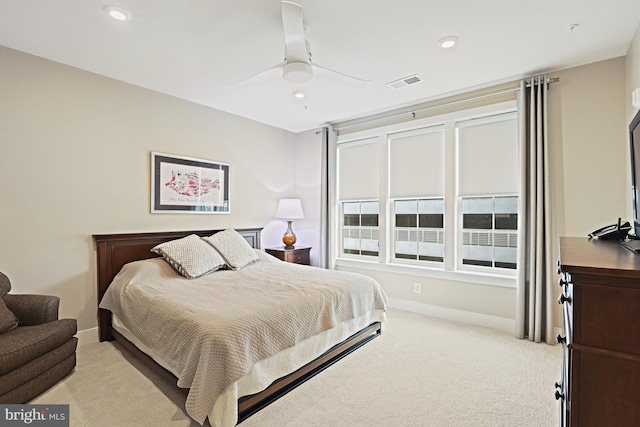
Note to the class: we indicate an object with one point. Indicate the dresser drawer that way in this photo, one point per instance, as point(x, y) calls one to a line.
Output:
point(608, 391)
point(600, 307)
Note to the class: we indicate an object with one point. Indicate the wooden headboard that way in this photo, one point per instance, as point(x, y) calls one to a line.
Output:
point(116, 250)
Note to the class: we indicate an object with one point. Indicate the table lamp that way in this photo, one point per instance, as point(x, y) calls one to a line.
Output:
point(289, 209)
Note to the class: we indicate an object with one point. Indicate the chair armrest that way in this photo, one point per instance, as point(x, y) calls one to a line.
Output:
point(33, 309)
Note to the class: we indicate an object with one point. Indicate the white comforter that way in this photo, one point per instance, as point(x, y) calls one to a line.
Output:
point(212, 331)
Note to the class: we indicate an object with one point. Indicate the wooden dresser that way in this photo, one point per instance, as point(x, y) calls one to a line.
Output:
point(601, 333)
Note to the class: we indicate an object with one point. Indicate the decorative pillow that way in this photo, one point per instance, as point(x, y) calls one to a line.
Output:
point(8, 320)
point(235, 250)
point(5, 284)
point(190, 256)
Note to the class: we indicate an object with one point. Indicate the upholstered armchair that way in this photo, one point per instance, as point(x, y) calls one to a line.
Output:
point(36, 349)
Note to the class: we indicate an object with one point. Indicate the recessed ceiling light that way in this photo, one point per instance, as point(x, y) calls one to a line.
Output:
point(448, 42)
point(298, 94)
point(117, 12)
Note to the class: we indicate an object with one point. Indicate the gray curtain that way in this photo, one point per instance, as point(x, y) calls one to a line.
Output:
point(535, 290)
point(323, 252)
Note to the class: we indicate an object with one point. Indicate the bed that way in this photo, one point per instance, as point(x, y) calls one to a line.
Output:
point(273, 362)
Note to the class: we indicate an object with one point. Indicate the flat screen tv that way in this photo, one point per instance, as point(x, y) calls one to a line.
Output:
point(634, 138)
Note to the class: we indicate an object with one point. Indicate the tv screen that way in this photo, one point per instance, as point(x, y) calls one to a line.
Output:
point(634, 138)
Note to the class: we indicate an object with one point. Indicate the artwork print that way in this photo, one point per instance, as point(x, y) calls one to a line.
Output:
point(188, 185)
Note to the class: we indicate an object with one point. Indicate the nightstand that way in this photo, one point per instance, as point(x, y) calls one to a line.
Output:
point(297, 255)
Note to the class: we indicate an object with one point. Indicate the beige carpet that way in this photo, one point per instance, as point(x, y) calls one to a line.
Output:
point(422, 371)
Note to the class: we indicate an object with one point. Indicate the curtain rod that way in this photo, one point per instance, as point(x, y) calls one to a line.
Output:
point(445, 104)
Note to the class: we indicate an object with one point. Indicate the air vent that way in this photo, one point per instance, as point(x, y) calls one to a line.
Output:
point(406, 81)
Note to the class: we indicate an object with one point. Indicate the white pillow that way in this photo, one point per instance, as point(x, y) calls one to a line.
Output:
point(235, 250)
point(190, 256)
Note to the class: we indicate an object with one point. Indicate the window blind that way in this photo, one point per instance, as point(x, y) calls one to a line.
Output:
point(488, 156)
point(416, 164)
point(358, 170)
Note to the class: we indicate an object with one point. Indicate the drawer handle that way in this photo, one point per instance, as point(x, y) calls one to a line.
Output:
point(564, 299)
point(562, 282)
point(560, 339)
point(559, 395)
point(559, 384)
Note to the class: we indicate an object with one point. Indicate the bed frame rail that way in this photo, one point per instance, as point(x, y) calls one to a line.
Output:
point(249, 405)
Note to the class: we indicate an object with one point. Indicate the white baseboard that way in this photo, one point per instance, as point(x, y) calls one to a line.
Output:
point(87, 336)
point(500, 323)
point(480, 319)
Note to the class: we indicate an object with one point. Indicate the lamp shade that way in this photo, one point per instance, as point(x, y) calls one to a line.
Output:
point(289, 209)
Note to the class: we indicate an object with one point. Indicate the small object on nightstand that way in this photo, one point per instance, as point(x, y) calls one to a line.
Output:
point(289, 209)
point(298, 255)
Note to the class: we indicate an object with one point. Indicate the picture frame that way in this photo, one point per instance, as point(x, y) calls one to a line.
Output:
point(188, 185)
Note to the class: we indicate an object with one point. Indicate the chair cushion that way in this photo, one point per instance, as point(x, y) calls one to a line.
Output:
point(32, 309)
point(8, 320)
point(26, 343)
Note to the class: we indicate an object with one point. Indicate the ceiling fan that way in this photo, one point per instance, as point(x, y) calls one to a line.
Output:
point(297, 66)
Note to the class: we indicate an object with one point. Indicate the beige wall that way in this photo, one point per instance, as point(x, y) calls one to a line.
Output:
point(75, 161)
point(632, 73)
point(589, 153)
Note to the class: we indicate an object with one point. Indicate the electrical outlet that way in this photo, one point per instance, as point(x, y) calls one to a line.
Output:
point(417, 288)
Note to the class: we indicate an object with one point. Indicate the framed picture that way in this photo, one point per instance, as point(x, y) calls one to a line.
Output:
point(187, 185)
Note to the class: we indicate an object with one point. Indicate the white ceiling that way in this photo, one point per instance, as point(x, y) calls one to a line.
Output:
point(198, 49)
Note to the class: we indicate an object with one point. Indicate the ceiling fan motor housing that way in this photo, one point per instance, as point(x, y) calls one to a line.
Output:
point(297, 72)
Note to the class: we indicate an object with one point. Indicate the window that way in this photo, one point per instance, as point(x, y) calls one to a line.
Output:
point(360, 228)
point(358, 197)
point(416, 186)
point(488, 184)
point(490, 231)
point(419, 229)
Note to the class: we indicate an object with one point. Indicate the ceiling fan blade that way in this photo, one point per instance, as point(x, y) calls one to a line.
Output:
point(294, 40)
point(263, 76)
point(338, 76)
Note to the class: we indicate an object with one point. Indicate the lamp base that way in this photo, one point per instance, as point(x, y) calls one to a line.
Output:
point(289, 238)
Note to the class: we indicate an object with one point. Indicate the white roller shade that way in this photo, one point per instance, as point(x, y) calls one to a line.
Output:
point(358, 170)
point(488, 156)
point(417, 163)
